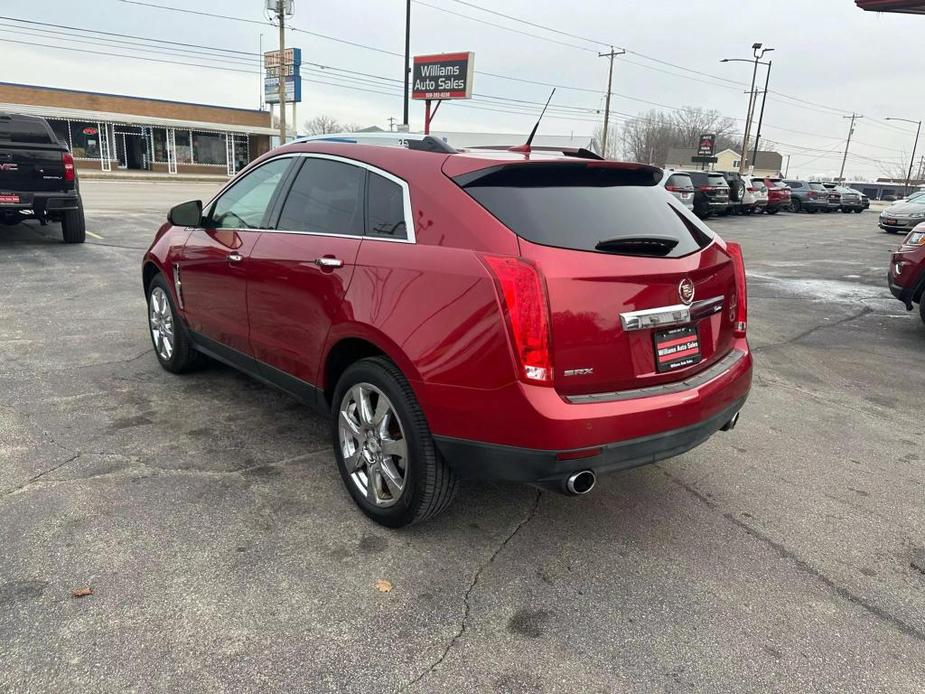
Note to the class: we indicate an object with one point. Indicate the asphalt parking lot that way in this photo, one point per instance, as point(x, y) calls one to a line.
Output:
point(206, 514)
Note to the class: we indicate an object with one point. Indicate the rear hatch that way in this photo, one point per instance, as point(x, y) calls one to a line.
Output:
point(712, 185)
point(30, 157)
point(778, 190)
point(609, 243)
point(681, 186)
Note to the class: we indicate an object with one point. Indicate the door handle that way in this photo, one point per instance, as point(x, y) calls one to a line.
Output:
point(328, 261)
point(234, 258)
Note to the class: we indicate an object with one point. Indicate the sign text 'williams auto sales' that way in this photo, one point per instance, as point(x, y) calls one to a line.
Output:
point(444, 76)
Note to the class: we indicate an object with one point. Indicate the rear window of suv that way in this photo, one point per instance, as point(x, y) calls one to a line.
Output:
point(680, 182)
point(26, 130)
point(588, 208)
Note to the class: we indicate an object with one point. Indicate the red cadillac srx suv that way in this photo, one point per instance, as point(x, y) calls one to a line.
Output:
point(512, 315)
point(907, 270)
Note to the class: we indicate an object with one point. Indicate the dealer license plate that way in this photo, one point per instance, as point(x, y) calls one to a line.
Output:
point(676, 348)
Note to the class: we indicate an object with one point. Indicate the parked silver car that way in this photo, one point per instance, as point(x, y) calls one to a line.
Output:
point(901, 216)
point(850, 199)
point(680, 185)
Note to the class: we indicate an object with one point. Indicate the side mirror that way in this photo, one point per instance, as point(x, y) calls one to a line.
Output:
point(186, 214)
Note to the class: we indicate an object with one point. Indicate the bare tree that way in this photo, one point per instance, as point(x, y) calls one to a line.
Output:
point(322, 125)
point(613, 144)
point(692, 121)
point(648, 137)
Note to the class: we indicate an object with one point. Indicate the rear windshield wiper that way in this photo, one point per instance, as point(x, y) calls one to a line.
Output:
point(657, 246)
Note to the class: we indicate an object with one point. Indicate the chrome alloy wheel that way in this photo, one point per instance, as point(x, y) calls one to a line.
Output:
point(161, 318)
point(373, 444)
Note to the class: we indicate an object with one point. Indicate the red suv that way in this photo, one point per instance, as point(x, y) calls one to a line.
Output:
point(509, 315)
point(778, 195)
point(907, 270)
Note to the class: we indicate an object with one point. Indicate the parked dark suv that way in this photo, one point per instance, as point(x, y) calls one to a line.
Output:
point(37, 177)
point(511, 314)
point(808, 196)
point(711, 193)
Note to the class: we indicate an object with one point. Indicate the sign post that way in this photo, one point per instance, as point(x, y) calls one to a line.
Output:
point(282, 80)
point(440, 77)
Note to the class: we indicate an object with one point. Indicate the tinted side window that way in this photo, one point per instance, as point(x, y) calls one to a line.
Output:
point(386, 208)
point(326, 198)
point(244, 205)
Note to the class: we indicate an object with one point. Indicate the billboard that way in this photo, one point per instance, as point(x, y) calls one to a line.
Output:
point(287, 65)
point(443, 76)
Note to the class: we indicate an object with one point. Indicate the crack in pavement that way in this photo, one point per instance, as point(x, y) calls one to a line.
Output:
point(804, 566)
point(810, 331)
point(46, 372)
point(467, 606)
point(35, 478)
point(155, 471)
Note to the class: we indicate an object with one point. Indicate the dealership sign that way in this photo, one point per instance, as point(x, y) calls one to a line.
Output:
point(705, 145)
point(287, 65)
point(444, 76)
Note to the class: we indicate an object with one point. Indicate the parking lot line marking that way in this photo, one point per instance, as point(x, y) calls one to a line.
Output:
point(96, 236)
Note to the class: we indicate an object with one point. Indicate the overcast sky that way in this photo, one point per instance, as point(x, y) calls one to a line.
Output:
point(827, 52)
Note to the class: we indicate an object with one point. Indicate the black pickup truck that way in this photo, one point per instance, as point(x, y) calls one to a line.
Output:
point(37, 177)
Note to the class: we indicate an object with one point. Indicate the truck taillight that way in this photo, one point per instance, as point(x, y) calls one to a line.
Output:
point(68, 162)
point(526, 310)
point(740, 326)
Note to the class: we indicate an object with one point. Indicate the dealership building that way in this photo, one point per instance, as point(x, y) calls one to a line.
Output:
point(111, 133)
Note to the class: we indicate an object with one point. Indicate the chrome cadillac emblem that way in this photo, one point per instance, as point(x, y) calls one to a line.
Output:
point(686, 291)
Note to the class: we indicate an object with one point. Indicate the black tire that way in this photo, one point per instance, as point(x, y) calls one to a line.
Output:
point(858, 210)
point(429, 482)
point(774, 211)
point(795, 205)
point(183, 356)
point(812, 211)
point(73, 224)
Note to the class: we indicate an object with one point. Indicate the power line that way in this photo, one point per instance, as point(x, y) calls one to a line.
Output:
point(131, 57)
point(521, 20)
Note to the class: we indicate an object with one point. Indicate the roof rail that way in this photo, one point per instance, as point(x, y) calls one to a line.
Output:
point(579, 152)
point(416, 141)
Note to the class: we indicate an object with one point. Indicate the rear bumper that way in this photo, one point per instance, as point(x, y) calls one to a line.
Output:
point(532, 434)
point(485, 461)
point(41, 202)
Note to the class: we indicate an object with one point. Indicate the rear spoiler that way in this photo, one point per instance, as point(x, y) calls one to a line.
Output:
point(580, 152)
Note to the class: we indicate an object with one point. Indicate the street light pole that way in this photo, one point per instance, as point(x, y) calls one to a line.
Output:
point(764, 97)
point(758, 52)
point(914, 146)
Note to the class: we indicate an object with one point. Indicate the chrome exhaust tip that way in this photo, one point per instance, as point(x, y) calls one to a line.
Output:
point(731, 424)
point(580, 483)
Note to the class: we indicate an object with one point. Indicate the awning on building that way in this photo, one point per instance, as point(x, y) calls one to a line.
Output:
point(902, 6)
point(106, 117)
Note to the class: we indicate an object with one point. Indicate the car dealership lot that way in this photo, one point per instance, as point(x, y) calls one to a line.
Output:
point(207, 516)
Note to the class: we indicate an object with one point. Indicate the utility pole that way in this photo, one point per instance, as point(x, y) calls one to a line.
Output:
point(612, 54)
point(281, 18)
point(787, 170)
point(407, 57)
point(391, 124)
point(853, 117)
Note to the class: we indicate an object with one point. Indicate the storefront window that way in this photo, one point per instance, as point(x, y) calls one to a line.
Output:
point(85, 140)
point(241, 152)
point(159, 135)
point(209, 148)
point(61, 130)
point(184, 152)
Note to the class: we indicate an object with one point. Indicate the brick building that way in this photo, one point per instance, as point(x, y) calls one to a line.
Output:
point(109, 132)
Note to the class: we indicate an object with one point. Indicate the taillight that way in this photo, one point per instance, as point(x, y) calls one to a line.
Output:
point(704, 188)
point(750, 190)
point(672, 189)
point(523, 299)
point(68, 162)
point(811, 195)
point(741, 307)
